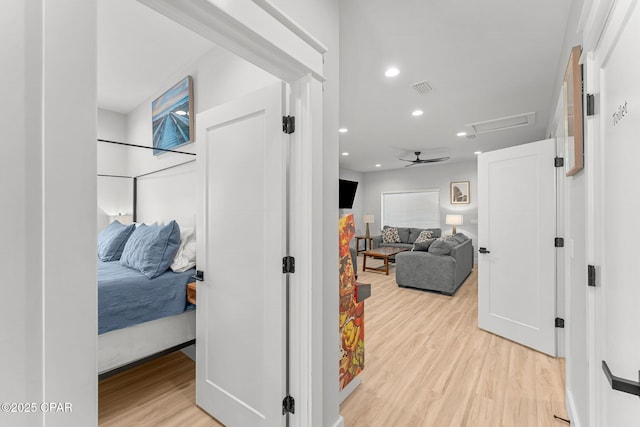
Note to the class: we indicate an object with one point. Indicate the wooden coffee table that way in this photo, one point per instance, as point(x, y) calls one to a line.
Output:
point(381, 253)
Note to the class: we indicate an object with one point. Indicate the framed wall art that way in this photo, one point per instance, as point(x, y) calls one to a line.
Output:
point(572, 93)
point(460, 193)
point(172, 117)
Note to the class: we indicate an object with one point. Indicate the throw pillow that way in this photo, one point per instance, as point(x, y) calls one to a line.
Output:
point(390, 235)
point(112, 239)
point(422, 246)
point(151, 249)
point(185, 258)
point(441, 247)
point(424, 236)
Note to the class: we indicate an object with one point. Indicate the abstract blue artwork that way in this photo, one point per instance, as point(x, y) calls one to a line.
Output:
point(172, 116)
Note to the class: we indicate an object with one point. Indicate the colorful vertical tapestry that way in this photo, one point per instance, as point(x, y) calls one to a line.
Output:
point(351, 312)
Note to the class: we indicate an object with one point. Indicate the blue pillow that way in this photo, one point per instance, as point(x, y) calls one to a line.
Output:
point(151, 249)
point(112, 239)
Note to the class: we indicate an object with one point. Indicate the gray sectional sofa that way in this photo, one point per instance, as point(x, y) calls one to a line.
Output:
point(442, 268)
point(407, 236)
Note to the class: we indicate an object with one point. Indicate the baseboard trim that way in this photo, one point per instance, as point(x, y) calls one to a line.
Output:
point(339, 422)
point(350, 388)
point(571, 410)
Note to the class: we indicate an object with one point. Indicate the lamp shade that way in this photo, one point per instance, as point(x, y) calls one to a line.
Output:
point(454, 220)
point(368, 219)
point(122, 218)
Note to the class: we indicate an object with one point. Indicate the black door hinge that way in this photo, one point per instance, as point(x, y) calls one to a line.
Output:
point(288, 124)
point(288, 405)
point(591, 275)
point(559, 322)
point(288, 264)
point(591, 104)
point(558, 162)
point(559, 242)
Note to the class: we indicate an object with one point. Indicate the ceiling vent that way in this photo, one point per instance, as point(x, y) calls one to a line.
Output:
point(422, 88)
point(503, 123)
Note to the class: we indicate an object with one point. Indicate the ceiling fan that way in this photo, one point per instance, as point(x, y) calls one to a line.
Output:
point(419, 161)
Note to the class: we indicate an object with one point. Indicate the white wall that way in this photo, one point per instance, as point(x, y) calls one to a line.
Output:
point(20, 194)
point(48, 175)
point(358, 202)
point(115, 195)
point(218, 77)
point(422, 178)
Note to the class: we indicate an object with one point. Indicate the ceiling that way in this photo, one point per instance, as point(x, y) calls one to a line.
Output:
point(484, 60)
point(138, 51)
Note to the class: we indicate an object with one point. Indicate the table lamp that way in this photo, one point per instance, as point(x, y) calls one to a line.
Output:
point(454, 220)
point(368, 219)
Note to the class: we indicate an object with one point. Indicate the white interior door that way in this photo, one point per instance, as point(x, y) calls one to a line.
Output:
point(517, 222)
point(241, 312)
point(617, 198)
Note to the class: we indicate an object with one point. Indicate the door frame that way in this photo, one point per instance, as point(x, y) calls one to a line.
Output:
point(267, 38)
point(604, 24)
point(260, 33)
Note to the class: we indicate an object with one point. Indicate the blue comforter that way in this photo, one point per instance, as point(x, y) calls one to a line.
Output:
point(127, 297)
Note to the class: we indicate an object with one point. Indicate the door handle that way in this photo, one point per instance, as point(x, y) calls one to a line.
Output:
point(199, 275)
point(621, 384)
point(484, 251)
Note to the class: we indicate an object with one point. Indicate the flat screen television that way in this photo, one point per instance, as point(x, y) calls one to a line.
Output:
point(347, 192)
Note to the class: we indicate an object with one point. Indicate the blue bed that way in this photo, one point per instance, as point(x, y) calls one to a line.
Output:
point(127, 297)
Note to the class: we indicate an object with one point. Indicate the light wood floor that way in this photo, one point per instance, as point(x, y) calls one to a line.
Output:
point(158, 393)
point(427, 364)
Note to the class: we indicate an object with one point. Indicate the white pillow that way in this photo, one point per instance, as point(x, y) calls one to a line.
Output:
point(186, 256)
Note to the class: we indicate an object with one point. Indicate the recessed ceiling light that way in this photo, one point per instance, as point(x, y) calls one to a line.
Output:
point(477, 152)
point(343, 130)
point(345, 154)
point(461, 134)
point(417, 113)
point(378, 165)
point(392, 72)
point(181, 113)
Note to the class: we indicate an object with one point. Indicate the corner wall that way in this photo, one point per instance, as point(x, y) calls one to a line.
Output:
point(321, 19)
point(48, 335)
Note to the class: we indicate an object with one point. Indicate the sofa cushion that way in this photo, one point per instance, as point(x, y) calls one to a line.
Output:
point(390, 235)
point(442, 247)
point(413, 234)
point(422, 246)
point(425, 235)
point(460, 238)
point(403, 232)
point(436, 232)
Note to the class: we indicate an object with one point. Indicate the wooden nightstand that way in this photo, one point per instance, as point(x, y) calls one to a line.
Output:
point(367, 247)
point(191, 292)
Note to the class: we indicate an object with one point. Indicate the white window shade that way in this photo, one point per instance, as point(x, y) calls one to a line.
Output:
point(420, 209)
